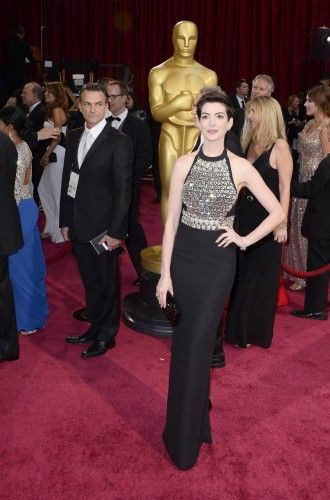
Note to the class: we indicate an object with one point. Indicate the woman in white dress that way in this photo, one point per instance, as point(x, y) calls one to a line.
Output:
point(49, 188)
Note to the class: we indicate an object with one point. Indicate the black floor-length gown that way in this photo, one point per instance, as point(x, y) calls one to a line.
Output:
point(253, 298)
point(202, 275)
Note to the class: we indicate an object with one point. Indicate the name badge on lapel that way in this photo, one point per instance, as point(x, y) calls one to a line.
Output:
point(73, 184)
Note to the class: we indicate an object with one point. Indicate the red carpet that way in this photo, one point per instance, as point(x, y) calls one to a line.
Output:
point(77, 429)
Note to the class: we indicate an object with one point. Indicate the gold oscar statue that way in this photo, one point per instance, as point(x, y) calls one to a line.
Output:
point(173, 87)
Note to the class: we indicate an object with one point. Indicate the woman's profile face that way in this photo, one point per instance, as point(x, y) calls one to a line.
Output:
point(49, 96)
point(311, 107)
point(295, 103)
point(252, 117)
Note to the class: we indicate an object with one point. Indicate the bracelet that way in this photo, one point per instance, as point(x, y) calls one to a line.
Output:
point(244, 246)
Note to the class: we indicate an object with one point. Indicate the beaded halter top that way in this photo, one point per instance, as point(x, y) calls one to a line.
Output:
point(209, 194)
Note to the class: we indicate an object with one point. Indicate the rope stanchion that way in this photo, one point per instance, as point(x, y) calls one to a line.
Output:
point(303, 274)
point(307, 274)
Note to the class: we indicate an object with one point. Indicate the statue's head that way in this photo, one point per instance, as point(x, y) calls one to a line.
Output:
point(184, 39)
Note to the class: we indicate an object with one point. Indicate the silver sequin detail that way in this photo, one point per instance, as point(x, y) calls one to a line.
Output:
point(310, 155)
point(209, 195)
point(24, 167)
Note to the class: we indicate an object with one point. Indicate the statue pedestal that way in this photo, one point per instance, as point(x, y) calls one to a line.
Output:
point(141, 311)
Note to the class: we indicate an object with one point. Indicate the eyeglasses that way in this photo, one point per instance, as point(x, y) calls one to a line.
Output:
point(113, 97)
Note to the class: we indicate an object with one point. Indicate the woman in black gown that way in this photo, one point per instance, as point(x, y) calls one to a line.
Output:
point(253, 299)
point(198, 266)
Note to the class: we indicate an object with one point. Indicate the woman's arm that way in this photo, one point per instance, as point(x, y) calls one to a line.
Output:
point(249, 177)
point(59, 119)
point(179, 173)
point(284, 165)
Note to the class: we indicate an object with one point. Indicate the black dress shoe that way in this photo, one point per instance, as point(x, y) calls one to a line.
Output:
point(80, 339)
point(98, 348)
point(218, 360)
point(301, 313)
point(81, 314)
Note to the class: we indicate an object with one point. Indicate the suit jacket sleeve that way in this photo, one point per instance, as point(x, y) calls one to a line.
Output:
point(318, 182)
point(122, 186)
point(66, 203)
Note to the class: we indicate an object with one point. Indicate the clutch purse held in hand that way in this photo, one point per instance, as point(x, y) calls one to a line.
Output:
point(172, 310)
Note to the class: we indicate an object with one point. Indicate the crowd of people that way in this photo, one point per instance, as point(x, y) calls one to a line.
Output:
point(232, 202)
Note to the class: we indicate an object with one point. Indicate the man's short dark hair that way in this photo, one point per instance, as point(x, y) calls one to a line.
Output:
point(238, 83)
point(122, 87)
point(93, 87)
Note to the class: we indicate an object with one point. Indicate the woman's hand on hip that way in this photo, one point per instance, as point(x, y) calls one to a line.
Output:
point(228, 237)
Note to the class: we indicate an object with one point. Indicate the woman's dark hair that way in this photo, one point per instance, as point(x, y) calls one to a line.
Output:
point(215, 97)
point(12, 115)
point(320, 96)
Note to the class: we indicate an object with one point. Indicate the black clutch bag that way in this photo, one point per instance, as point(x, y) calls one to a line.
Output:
point(172, 310)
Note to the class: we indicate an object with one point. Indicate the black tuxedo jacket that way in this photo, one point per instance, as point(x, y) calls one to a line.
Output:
point(36, 121)
point(37, 117)
point(239, 115)
point(316, 221)
point(138, 131)
point(104, 188)
point(10, 227)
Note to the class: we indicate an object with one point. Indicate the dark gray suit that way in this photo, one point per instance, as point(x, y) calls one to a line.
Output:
point(101, 203)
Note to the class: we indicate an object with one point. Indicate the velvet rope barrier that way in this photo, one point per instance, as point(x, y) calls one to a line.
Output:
point(304, 274)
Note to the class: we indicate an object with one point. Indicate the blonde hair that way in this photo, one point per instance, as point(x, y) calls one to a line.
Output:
point(269, 123)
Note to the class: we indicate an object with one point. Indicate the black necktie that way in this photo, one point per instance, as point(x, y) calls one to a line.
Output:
point(111, 118)
point(243, 104)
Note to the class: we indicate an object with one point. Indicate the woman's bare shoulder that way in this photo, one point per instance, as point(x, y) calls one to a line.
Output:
point(238, 162)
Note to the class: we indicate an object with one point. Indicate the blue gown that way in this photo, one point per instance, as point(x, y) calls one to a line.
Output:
point(27, 268)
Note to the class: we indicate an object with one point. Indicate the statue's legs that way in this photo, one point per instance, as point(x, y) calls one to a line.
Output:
point(167, 157)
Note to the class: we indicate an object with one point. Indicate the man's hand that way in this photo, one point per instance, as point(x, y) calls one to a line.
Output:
point(111, 243)
point(12, 101)
point(65, 233)
point(48, 133)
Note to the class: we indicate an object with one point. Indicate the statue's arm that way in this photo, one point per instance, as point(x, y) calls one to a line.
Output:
point(161, 110)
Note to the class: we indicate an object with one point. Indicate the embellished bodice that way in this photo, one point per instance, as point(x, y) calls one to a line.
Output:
point(23, 182)
point(310, 152)
point(209, 195)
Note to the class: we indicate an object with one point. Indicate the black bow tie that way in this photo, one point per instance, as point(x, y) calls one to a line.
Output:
point(110, 119)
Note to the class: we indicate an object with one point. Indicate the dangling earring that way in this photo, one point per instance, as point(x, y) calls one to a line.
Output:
point(10, 136)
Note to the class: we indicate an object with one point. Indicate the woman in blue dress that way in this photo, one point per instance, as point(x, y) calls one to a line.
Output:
point(27, 267)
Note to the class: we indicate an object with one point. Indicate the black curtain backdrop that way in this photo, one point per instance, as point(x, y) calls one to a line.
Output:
point(237, 38)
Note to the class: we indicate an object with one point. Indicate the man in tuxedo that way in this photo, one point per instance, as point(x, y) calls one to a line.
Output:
point(32, 97)
point(316, 228)
point(95, 197)
point(138, 131)
point(238, 101)
point(10, 241)
point(262, 85)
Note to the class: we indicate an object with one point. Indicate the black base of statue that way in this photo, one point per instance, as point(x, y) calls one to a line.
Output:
point(141, 311)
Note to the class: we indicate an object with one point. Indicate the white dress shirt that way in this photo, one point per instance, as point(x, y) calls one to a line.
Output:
point(88, 137)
